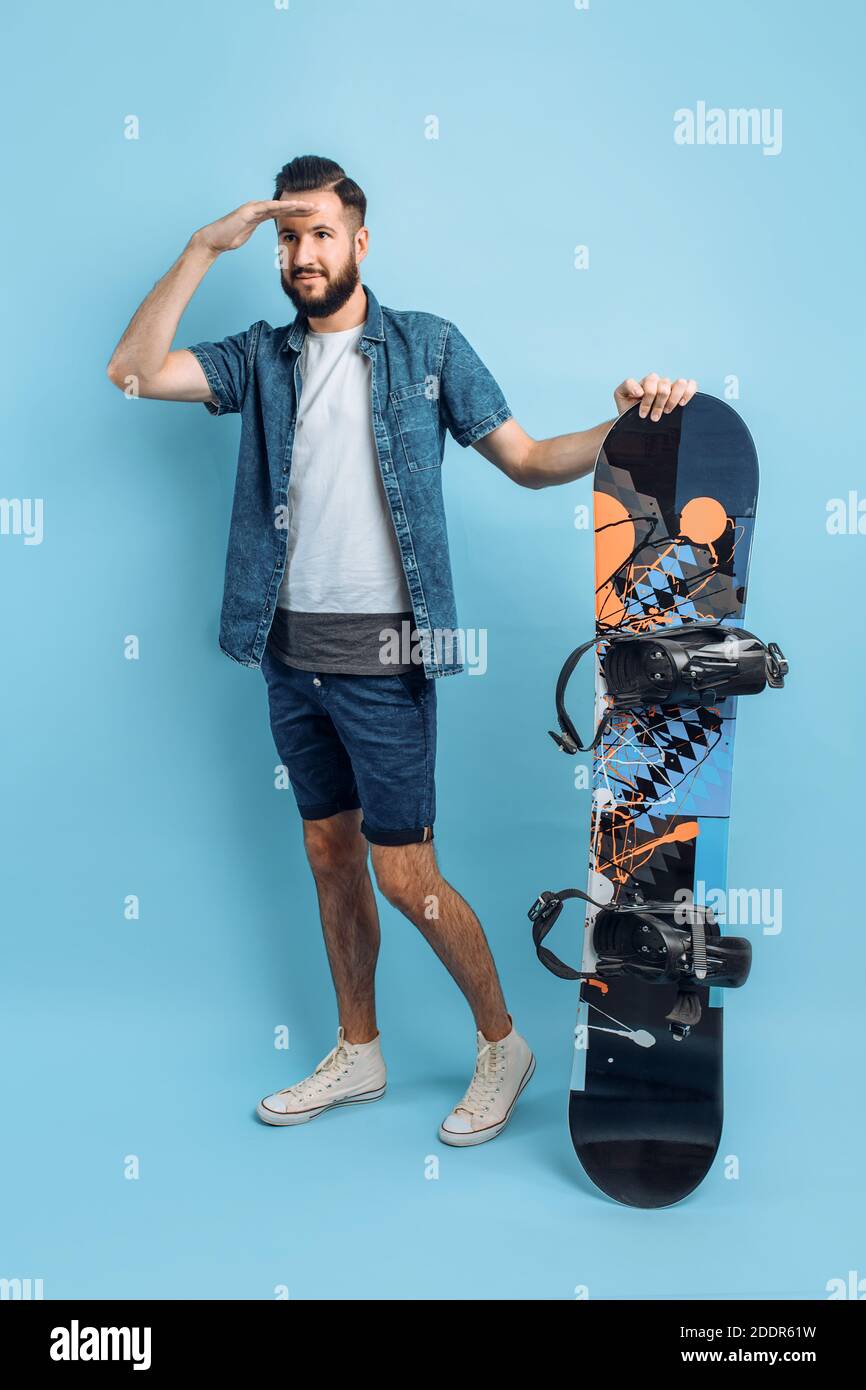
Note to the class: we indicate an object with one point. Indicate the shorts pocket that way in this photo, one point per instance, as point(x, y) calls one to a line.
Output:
point(414, 682)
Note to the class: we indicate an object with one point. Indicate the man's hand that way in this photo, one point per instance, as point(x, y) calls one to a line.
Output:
point(657, 395)
point(232, 231)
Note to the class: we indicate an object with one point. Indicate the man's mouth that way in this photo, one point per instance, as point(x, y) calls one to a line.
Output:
point(309, 275)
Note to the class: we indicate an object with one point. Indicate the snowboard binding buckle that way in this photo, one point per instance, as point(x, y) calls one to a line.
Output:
point(546, 905)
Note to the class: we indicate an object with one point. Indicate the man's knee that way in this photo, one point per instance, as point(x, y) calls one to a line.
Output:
point(335, 844)
point(401, 874)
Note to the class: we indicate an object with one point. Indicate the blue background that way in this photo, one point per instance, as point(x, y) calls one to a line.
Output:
point(155, 777)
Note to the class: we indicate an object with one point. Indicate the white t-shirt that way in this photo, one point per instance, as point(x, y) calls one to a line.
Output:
point(343, 555)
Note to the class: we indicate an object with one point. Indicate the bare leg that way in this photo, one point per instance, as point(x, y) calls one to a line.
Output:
point(337, 852)
point(409, 877)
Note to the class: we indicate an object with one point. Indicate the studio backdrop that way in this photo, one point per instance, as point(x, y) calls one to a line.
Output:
point(571, 185)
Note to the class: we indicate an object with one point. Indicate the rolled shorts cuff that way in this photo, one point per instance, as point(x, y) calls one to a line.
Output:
point(415, 835)
point(321, 810)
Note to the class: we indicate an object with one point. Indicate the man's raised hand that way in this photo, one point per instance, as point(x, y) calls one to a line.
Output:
point(231, 231)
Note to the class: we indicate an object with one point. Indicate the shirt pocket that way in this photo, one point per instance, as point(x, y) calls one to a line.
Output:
point(417, 418)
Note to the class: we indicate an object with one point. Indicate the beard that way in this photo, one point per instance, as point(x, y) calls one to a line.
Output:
point(330, 294)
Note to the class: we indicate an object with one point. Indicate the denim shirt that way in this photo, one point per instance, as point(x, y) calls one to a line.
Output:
point(425, 379)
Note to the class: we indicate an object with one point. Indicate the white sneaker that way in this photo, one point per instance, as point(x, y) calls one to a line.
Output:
point(350, 1074)
point(502, 1069)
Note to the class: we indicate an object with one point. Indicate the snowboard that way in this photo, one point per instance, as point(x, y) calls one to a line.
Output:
point(674, 510)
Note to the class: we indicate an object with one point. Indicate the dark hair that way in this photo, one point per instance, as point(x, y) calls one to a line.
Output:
point(308, 172)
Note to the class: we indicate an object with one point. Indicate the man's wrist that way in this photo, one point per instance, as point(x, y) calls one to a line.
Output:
point(201, 249)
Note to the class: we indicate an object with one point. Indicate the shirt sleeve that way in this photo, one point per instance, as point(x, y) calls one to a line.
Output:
point(471, 401)
point(226, 366)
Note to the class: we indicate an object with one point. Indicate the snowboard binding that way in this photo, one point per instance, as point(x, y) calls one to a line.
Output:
point(660, 943)
point(684, 667)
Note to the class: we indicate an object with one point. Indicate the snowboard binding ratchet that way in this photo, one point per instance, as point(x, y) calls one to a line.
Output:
point(660, 943)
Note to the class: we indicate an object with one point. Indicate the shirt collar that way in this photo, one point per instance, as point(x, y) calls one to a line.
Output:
point(374, 326)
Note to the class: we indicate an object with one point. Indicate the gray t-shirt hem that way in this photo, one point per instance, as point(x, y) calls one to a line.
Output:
point(343, 643)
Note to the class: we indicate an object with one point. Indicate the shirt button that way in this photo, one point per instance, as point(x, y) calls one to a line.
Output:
point(316, 680)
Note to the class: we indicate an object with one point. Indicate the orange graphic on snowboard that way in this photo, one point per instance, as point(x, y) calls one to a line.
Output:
point(619, 540)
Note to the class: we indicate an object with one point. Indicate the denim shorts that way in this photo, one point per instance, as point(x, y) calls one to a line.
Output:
point(358, 741)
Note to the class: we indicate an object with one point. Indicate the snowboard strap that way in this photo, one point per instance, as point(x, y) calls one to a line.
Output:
point(686, 1012)
point(543, 914)
point(569, 739)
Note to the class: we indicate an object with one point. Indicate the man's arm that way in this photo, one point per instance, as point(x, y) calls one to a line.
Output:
point(538, 463)
point(143, 357)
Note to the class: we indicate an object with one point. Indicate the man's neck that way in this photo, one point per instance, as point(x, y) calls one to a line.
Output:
point(353, 312)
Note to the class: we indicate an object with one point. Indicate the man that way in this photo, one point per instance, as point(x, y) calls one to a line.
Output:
point(337, 548)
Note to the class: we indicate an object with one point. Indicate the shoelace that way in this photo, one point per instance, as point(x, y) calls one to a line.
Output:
point(483, 1085)
point(311, 1084)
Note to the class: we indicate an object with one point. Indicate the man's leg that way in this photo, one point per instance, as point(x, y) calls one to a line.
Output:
point(408, 876)
point(337, 853)
point(354, 1072)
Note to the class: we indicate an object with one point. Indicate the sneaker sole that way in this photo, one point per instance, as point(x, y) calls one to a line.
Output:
point(482, 1136)
point(273, 1117)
